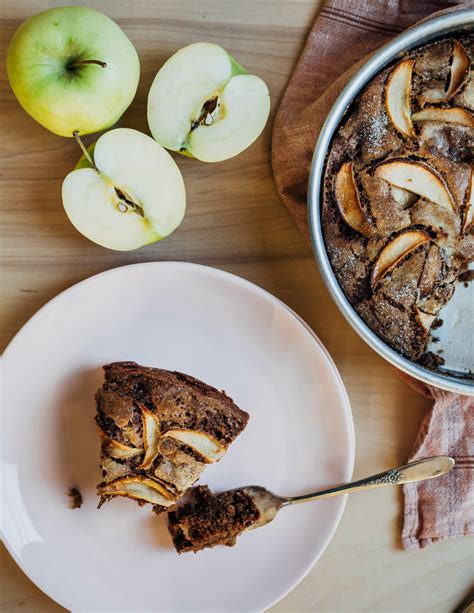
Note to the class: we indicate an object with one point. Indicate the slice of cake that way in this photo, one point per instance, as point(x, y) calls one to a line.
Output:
point(210, 520)
point(158, 431)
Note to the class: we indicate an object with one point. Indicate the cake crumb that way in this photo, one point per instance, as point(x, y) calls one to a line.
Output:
point(75, 497)
point(466, 277)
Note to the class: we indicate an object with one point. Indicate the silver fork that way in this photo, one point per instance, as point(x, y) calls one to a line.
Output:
point(269, 504)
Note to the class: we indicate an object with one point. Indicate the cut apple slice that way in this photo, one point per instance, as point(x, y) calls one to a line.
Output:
point(424, 319)
point(397, 97)
point(416, 177)
point(459, 71)
point(120, 451)
point(469, 208)
point(458, 74)
point(453, 115)
point(134, 195)
point(151, 436)
point(395, 251)
point(403, 197)
point(139, 488)
point(203, 104)
point(348, 201)
point(206, 446)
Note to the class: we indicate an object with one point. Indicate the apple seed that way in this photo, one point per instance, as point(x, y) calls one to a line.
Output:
point(126, 201)
point(206, 116)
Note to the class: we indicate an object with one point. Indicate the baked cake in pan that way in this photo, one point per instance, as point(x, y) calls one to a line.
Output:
point(398, 193)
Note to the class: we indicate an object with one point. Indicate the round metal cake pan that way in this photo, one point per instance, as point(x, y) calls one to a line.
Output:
point(452, 379)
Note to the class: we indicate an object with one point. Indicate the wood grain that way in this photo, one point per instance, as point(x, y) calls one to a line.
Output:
point(235, 221)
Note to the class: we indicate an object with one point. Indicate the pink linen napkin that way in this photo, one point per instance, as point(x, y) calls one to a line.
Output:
point(443, 507)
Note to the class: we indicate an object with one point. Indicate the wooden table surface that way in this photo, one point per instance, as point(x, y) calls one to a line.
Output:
point(235, 221)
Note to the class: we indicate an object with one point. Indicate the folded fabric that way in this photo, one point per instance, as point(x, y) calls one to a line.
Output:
point(346, 32)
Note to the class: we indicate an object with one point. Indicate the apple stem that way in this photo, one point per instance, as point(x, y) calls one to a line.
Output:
point(84, 150)
point(98, 62)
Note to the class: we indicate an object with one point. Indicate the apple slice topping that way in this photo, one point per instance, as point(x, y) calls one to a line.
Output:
point(151, 436)
point(203, 104)
point(397, 97)
point(458, 74)
point(469, 207)
point(453, 115)
point(206, 446)
point(139, 488)
point(132, 193)
point(395, 251)
point(348, 201)
point(459, 71)
point(120, 451)
point(424, 319)
point(418, 178)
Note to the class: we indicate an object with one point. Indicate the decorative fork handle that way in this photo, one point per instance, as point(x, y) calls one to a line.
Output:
point(416, 471)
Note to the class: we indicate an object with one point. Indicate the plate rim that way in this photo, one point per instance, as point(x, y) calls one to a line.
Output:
point(347, 414)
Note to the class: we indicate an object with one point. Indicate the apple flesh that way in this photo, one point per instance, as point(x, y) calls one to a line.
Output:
point(73, 70)
point(203, 104)
point(395, 251)
point(132, 196)
point(397, 99)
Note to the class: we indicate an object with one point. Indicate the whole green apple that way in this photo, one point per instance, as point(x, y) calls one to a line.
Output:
point(73, 70)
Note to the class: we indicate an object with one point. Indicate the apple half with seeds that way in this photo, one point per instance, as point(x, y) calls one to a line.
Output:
point(203, 104)
point(129, 194)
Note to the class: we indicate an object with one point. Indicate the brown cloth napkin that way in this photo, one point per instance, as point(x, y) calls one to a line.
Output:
point(345, 32)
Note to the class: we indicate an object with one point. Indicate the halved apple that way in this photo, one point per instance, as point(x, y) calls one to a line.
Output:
point(203, 104)
point(418, 178)
point(206, 446)
point(424, 319)
point(139, 488)
point(452, 115)
point(118, 450)
point(151, 436)
point(395, 251)
point(469, 207)
point(397, 97)
point(132, 193)
point(348, 201)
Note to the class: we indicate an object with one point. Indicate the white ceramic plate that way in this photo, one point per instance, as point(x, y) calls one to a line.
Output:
point(216, 327)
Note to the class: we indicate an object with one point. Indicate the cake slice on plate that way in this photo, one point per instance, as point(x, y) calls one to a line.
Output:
point(159, 429)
